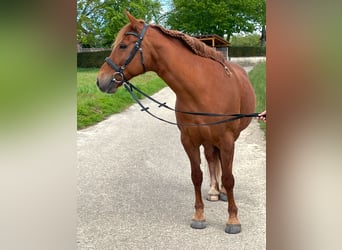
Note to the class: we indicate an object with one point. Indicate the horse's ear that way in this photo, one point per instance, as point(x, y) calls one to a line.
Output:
point(131, 18)
point(136, 23)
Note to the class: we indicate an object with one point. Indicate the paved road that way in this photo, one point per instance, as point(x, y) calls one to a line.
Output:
point(135, 190)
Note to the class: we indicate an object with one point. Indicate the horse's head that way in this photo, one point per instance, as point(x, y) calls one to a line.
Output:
point(126, 59)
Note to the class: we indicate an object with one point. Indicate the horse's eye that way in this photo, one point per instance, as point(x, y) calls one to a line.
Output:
point(122, 46)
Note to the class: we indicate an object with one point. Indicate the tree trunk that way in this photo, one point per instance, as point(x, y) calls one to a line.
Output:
point(263, 36)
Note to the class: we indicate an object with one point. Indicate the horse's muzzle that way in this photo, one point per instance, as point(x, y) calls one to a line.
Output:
point(108, 86)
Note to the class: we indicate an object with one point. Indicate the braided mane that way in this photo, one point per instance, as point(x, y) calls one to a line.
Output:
point(195, 45)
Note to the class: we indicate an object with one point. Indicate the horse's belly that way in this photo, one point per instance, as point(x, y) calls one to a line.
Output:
point(210, 134)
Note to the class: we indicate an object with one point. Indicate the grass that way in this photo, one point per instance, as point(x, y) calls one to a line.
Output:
point(94, 106)
point(258, 78)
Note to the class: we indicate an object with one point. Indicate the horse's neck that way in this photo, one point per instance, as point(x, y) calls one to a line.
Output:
point(174, 63)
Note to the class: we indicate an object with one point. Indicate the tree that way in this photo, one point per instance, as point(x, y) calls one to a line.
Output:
point(89, 21)
point(220, 17)
point(259, 18)
point(98, 21)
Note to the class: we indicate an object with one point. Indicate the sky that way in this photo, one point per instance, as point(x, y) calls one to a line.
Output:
point(166, 5)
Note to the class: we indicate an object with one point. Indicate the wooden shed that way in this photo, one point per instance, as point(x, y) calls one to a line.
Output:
point(217, 42)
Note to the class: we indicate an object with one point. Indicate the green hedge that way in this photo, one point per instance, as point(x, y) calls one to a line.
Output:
point(92, 59)
point(246, 51)
point(96, 59)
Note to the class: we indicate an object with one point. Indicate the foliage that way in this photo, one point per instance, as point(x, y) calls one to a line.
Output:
point(94, 106)
point(247, 40)
point(220, 17)
point(98, 21)
point(89, 21)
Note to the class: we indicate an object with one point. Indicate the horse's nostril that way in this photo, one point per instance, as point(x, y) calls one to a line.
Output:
point(97, 83)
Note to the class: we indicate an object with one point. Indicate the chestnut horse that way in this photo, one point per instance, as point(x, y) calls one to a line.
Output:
point(203, 81)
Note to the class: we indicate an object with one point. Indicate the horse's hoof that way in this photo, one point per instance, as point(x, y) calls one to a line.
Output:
point(223, 197)
point(198, 224)
point(233, 228)
point(212, 197)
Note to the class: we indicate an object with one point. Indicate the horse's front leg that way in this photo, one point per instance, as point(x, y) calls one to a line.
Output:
point(193, 152)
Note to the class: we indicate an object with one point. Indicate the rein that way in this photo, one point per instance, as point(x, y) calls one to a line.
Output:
point(130, 87)
point(119, 78)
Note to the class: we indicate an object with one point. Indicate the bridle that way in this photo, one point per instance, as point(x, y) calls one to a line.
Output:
point(118, 76)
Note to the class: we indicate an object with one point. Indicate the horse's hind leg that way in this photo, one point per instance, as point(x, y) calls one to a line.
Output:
point(212, 156)
point(193, 152)
point(233, 225)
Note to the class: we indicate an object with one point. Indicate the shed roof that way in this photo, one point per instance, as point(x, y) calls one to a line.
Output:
point(214, 40)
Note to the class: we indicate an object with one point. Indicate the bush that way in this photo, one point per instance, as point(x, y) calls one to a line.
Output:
point(247, 51)
point(92, 59)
